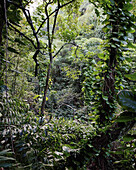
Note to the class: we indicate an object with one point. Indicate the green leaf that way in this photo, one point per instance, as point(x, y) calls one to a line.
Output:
point(105, 98)
point(128, 59)
point(90, 146)
point(123, 18)
point(128, 138)
point(58, 153)
point(36, 96)
point(127, 100)
point(13, 50)
point(124, 42)
point(131, 30)
point(19, 41)
point(109, 13)
point(113, 46)
point(116, 39)
point(4, 158)
point(128, 7)
point(112, 2)
point(117, 152)
point(6, 151)
point(131, 76)
point(101, 55)
point(97, 12)
point(121, 161)
point(125, 28)
point(124, 119)
point(106, 21)
point(109, 26)
point(68, 148)
point(131, 45)
point(105, 29)
point(5, 165)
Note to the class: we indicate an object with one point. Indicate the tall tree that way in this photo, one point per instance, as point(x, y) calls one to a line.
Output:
point(34, 40)
point(118, 24)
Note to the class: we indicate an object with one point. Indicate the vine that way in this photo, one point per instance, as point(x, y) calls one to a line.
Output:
point(117, 25)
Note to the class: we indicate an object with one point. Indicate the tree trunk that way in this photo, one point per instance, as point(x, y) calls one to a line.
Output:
point(109, 77)
point(2, 22)
point(1, 28)
point(1, 19)
point(46, 89)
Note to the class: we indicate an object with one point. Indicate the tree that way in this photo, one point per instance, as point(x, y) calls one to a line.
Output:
point(50, 32)
point(93, 149)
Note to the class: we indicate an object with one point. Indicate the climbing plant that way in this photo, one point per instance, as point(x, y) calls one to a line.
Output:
point(56, 143)
point(118, 25)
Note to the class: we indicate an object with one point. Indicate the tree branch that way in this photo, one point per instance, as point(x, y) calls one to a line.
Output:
point(61, 6)
point(55, 20)
point(29, 20)
point(51, 59)
point(63, 47)
point(36, 62)
point(22, 34)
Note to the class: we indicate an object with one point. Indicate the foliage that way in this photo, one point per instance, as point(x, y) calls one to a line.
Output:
point(83, 54)
point(33, 138)
point(6, 160)
point(128, 143)
point(127, 100)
